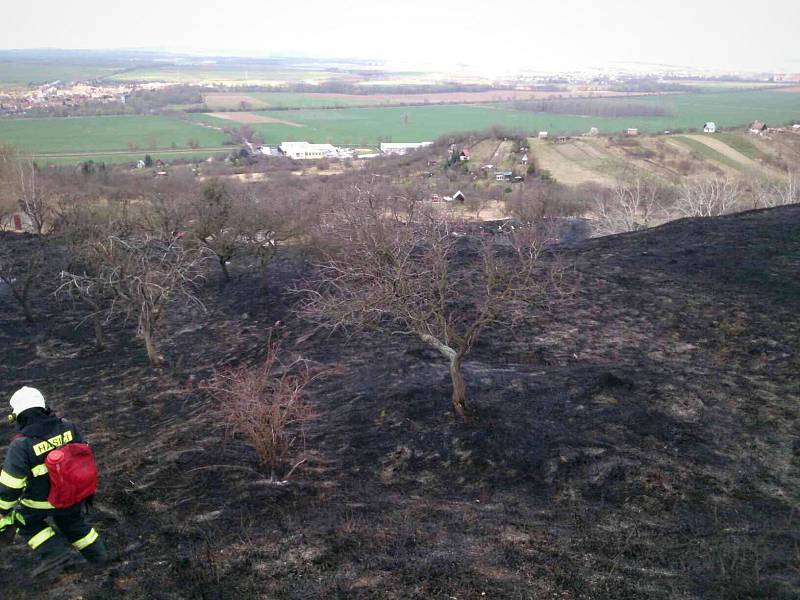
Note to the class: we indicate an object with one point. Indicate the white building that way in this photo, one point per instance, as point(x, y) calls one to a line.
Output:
point(306, 151)
point(542, 135)
point(402, 148)
point(710, 127)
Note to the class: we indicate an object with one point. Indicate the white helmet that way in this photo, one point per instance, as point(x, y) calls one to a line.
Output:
point(25, 398)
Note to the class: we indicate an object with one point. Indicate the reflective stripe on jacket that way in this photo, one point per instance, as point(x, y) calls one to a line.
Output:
point(23, 477)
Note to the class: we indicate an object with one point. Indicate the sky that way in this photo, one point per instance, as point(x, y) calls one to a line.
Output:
point(741, 35)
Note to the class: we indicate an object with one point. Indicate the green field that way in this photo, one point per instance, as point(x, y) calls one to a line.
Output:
point(415, 123)
point(20, 74)
point(85, 135)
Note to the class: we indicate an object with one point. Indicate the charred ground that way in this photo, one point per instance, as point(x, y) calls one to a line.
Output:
point(637, 440)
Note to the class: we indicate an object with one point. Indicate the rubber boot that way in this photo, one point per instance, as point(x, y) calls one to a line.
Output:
point(54, 556)
point(96, 553)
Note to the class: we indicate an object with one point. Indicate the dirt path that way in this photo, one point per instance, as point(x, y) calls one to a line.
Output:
point(246, 117)
point(723, 149)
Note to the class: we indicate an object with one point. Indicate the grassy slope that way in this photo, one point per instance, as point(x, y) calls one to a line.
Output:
point(741, 143)
point(709, 153)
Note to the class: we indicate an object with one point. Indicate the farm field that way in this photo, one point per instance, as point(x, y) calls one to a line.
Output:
point(20, 74)
point(266, 100)
point(94, 136)
point(709, 152)
point(666, 158)
point(414, 123)
point(224, 74)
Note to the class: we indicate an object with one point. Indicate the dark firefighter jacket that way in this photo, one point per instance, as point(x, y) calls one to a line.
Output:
point(24, 478)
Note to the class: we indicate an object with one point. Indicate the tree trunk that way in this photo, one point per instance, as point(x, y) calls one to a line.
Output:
point(459, 387)
point(149, 344)
point(24, 298)
point(99, 339)
point(456, 376)
point(224, 268)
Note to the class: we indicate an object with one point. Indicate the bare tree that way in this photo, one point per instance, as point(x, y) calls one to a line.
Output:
point(218, 223)
point(139, 277)
point(8, 199)
point(266, 404)
point(708, 198)
point(416, 278)
point(34, 199)
point(629, 206)
point(20, 274)
point(781, 193)
point(273, 221)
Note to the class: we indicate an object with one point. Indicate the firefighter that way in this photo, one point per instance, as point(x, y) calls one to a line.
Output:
point(25, 486)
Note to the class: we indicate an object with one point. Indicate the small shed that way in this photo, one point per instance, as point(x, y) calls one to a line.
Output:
point(503, 175)
point(16, 221)
point(542, 135)
point(464, 155)
point(796, 127)
point(594, 131)
point(458, 197)
point(632, 131)
point(710, 127)
point(758, 127)
point(562, 139)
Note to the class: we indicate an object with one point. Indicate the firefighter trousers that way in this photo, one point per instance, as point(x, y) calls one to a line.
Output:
point(44, 539)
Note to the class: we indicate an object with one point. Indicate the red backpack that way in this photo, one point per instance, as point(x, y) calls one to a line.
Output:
point(73, 474)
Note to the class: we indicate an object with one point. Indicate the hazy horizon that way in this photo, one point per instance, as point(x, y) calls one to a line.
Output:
point(573, 35)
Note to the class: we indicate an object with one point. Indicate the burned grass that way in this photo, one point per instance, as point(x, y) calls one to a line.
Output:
point(636, 440)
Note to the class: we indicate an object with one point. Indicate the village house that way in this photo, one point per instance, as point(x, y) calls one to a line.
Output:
point(464, 155)
point(758, 128)
point(594, 131)
point(542, 135)
point(562, 139)
point(796, 127)
point(503, 175)
point(457, 197)
point(710, 127)
point(398, 149)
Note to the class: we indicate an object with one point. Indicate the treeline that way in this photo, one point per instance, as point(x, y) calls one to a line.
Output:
point(648, 86)
point(334, 86)
point(592, 108)
point(138, 102)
